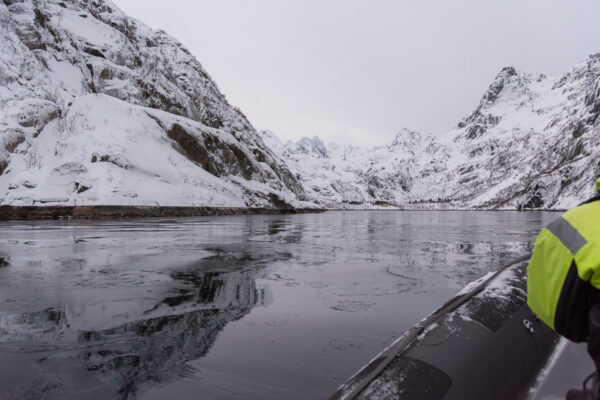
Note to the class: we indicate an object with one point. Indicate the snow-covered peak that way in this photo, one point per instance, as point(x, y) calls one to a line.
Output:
point(508, 92)
point(407, 139)
point(507, 80)
point(314, 147)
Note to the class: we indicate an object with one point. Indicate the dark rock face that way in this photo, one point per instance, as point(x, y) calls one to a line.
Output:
point(118, 160)
point(94, 52)
point(81, 188)
point(535, 198)
point(212, 154)
point(3, 166)
point(497, 86)
point(12, 143)
point(478, 124)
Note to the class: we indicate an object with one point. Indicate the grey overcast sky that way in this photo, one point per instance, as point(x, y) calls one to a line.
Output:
point(356, 71)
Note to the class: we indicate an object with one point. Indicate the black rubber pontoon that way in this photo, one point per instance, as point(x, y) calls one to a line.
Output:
point(485, 343)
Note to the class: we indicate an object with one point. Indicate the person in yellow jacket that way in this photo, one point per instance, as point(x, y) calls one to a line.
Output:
point(563, 280)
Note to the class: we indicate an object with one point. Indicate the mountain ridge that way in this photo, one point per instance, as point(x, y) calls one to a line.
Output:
point(528, 144)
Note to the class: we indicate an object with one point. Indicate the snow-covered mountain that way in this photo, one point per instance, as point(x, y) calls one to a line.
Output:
point(335, 176)
point(532, 142)
point(97, 108)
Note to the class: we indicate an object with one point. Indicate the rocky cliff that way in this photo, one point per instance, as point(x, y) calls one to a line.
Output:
point(97, 108)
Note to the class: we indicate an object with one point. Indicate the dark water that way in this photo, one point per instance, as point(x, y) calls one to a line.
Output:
point(249, 307)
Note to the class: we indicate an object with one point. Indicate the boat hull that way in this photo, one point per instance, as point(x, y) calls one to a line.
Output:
point(483, 344)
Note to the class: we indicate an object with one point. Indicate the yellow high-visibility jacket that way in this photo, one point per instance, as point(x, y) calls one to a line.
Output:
point(563, 276)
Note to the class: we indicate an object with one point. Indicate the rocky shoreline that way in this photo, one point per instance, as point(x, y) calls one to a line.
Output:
point(8, 213)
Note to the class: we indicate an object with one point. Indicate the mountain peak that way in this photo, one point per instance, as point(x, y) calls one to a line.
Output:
point(507, 71)
point(314, 146)
point(508, 76)
point(408, 139)
point(507, 86)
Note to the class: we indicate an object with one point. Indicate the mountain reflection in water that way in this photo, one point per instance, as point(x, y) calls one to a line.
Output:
point(153, 349)
point(257, 307)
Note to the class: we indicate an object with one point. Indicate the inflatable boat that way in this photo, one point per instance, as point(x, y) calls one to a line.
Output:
point(484, 343)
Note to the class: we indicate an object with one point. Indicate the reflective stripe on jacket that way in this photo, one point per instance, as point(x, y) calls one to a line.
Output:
point(564, 271)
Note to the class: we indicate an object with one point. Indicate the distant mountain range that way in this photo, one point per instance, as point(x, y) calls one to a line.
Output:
point(533, 142)
point(96, 108)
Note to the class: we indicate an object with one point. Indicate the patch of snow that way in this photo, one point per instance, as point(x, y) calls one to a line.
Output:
point(475, 284)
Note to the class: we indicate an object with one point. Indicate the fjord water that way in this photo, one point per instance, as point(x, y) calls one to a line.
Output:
point(249, 307)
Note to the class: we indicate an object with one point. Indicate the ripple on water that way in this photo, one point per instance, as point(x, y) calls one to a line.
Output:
point(352, 305)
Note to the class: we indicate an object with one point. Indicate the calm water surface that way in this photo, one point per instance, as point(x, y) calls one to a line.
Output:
point(248, 307)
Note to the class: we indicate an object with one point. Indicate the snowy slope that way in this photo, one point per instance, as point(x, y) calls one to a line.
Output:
point(97, 108)
point(532, 142)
